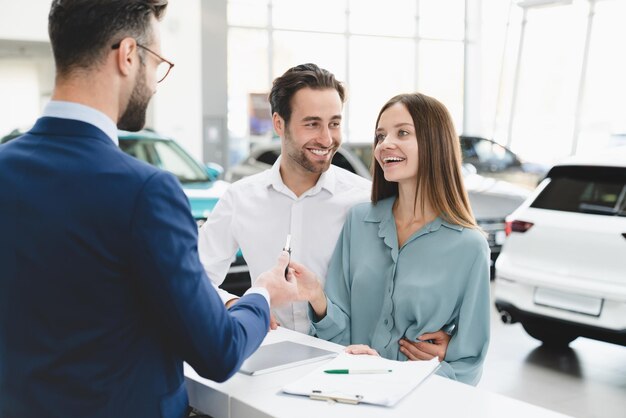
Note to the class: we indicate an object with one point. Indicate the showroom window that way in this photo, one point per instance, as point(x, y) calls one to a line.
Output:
point(410, 45)
point(561, 90)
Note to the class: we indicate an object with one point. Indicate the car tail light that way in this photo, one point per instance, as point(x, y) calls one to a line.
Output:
point(517, 226)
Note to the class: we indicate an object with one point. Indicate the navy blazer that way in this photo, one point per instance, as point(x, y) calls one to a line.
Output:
point(102, 295)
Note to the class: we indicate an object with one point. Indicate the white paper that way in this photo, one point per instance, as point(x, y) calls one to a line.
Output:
point(379, 389)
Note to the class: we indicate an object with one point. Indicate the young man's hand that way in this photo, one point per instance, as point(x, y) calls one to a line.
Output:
point(434, 344)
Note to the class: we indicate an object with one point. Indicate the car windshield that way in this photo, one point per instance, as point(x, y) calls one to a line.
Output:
point(594, 190)
point(168, 156)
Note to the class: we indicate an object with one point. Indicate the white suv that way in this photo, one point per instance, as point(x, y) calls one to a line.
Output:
point(562, 269)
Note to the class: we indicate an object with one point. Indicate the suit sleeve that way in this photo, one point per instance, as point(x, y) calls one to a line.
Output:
point(177, 293)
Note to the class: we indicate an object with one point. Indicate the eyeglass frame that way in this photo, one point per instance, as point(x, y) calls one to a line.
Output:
point(163, 60)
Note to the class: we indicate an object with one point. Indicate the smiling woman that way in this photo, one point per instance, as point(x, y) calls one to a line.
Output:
point(412, 261)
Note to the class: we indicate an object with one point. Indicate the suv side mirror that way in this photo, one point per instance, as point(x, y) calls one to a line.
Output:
point(214, 170)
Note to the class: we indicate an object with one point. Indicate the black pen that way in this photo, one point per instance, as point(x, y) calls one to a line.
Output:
point(288, 249)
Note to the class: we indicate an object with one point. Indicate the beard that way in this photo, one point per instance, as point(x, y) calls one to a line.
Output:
point(300, 157)
point(134, 116)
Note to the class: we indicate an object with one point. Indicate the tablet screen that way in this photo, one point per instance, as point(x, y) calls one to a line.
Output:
point(281, 355)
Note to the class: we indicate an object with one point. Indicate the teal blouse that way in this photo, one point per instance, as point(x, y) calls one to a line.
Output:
point(378, 293)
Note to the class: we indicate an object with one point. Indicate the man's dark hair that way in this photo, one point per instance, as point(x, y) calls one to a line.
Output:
point(82, 32)
point(299, 77)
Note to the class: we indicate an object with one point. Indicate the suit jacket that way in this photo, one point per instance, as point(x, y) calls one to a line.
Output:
point(102, 295)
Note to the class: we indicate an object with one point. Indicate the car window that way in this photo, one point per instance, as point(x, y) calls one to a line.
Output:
point(340, 161)
point(166, 155)
point(595, 190)
point(490, 152)
point(172, 159)
point(136, 149)
point(467, 148)
point(268, 157)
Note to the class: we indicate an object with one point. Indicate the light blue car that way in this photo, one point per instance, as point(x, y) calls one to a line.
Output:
point(200, 182)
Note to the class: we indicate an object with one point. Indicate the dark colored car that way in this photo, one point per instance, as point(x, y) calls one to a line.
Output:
point(494, 160)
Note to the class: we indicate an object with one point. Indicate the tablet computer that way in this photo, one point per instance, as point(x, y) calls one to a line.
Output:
point(273, 357)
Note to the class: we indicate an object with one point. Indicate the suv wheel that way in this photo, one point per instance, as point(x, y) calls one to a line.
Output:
point(549, 335)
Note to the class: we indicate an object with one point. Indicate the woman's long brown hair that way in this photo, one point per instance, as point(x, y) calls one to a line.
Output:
point(439, 177)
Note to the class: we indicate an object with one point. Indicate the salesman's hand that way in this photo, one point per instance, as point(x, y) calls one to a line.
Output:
point(434, 344)
point(282, 290)
point(273, 322)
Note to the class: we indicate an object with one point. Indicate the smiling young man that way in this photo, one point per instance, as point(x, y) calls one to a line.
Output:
point(302, 194)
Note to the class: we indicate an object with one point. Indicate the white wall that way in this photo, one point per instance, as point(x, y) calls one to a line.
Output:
point(24, 19)
point(177, 109)
point(26, 72)
point(19, 90)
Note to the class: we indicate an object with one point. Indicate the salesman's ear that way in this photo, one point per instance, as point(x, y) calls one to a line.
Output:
point(126, 55)
point(279, 124)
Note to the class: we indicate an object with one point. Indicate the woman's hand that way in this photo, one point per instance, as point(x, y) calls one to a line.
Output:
point(309, 288)
point(434, 344)
point(361, 349)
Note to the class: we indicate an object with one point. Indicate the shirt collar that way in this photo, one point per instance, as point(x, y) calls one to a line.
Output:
point(327, 181)
point(76, 111)
point(382, 214)
point(382, 211)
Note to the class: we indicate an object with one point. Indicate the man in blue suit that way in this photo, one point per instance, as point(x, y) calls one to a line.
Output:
point(102, 295)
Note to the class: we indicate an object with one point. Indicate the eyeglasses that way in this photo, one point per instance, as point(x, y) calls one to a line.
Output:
point(163, 68)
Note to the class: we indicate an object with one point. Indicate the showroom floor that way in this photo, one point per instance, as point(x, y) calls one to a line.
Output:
point(586, 380)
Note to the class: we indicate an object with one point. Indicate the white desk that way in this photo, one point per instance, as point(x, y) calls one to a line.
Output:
point(245, 396)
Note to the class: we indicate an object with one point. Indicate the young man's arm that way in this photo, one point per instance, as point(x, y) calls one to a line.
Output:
point(217, 246)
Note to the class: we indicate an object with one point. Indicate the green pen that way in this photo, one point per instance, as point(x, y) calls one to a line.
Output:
point(357, 371)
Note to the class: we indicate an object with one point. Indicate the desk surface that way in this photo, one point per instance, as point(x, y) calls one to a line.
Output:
point(261, 396)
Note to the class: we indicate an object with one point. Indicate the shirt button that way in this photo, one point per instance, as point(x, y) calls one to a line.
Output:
point(386, 321)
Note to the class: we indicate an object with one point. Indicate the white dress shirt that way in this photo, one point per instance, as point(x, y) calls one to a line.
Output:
point(76, 111)
point(256, 214)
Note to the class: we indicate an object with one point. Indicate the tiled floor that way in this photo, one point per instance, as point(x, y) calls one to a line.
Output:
point(586, 380)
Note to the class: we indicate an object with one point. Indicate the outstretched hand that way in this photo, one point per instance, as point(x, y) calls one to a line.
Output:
point(282, 289)
point(309, 288)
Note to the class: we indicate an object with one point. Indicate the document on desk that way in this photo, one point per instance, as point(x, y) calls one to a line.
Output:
point(364, 382)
